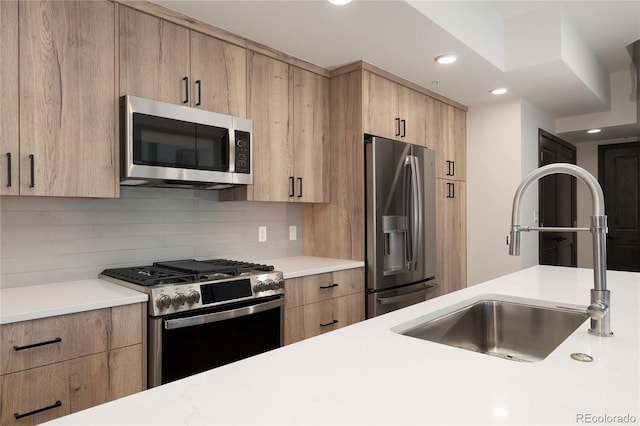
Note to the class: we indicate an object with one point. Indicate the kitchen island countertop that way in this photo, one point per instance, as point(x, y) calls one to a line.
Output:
point(368, 374)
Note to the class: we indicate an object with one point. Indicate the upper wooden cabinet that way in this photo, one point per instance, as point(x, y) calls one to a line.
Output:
point(9, 101)
point(66, 90)
point(393, 111)
point(169, 63)
point(289, 108)
point(446, 134)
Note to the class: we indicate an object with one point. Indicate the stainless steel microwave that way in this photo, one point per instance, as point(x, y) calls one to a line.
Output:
point(176, 146)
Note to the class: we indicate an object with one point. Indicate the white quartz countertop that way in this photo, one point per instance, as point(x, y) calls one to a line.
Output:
point(299, 266)
point(46, 300)
point(368, 374)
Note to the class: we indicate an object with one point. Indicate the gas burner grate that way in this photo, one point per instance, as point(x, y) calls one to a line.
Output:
point(149, 275)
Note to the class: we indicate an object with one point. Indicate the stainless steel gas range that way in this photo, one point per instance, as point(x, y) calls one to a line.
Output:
point(205, 313)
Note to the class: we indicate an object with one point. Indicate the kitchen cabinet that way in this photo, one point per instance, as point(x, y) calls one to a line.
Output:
point(393, 111)
point(58, 121)
point(9, 101)
point(289, 107)
point(451, 235)
point(167, 62)
point(446, 133)
point(58, 365)
point(316, 304)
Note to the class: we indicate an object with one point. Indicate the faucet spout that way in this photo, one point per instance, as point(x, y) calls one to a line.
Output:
point(599, 310)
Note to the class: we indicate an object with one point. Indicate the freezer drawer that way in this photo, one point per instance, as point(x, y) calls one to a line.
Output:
point(381, 302)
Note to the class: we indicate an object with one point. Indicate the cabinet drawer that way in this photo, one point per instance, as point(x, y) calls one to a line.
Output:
point(34, 343)
point(27, 392)
point(317, 318)
point(321, 287)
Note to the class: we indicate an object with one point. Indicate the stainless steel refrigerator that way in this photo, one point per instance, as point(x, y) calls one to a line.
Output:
point(400, 224)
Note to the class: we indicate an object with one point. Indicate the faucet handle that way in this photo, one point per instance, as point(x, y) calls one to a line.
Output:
point(597, 310)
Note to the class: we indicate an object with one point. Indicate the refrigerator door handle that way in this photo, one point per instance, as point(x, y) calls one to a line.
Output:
point(416, 212)
point(403, 297)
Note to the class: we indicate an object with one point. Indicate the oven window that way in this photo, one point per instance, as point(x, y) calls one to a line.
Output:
point(194, 349)
point(159, 141)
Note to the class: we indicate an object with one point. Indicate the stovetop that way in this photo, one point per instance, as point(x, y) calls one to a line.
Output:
point(185, 271)
point(177, 286)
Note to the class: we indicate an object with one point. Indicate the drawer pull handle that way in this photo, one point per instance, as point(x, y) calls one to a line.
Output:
point(39, 410)
point(329, 323)
point(329, 286)
point(35, 345)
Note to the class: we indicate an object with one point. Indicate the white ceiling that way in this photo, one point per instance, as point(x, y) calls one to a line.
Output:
point(521, 45)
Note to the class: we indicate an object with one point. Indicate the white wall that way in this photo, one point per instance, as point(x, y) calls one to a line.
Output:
point(45, 239)
point(502, 147)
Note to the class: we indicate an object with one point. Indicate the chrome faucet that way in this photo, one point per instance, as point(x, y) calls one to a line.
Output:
point(598, 310)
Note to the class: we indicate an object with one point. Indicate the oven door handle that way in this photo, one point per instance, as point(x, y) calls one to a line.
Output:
point(221, 316)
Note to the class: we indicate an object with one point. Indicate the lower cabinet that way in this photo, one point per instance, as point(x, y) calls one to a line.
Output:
point(47, 375)
point(451, 233)
point(316, 304)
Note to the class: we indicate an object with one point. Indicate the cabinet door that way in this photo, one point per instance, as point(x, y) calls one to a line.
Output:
point(67, 87)
point(9, 101)
point(322, 317)
point(451, 235)
point(40, 394)
point(413, 115)
point(446, 132)
point(310, 136)
point(105, 376)
point(269, 107)
point(218, 75)
point(458, 146)
point(380, 106)
point(154, 58)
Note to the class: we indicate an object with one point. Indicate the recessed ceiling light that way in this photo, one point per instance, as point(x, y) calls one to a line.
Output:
point(445, 59)
point(499, 91)
point(339, 2)
point(594, 131)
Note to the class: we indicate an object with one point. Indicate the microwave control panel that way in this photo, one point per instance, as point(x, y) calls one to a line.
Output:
point(243, 152)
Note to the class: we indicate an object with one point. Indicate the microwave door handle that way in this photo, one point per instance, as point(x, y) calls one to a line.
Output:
point(232, 149)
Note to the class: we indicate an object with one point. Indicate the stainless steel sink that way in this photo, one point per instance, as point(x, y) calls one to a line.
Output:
point(510, 330)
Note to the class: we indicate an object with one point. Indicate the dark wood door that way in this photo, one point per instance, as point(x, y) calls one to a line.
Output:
point(557, 203)
point(619, 174)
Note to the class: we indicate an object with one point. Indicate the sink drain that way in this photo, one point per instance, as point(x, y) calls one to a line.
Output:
point(581, 357)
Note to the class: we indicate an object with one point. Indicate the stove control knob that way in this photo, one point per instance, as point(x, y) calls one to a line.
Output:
point(163, 301)
point(269, 284)
point(179, 299)
point(193, 297)
point(280, 283)
point(260, 286)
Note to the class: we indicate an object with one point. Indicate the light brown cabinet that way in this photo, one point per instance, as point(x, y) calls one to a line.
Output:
point(451, 235)
point(9, 101)
point(58, 120)
point(393, 111)
point(316, 304)
point(166, 62)
point(58, 365)
point(446, 133)
point(289, 108)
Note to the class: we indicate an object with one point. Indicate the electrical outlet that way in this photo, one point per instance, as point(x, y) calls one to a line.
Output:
point(293, 233)
point(262, 234)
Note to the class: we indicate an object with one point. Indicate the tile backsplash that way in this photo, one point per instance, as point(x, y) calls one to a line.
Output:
point(45, 239)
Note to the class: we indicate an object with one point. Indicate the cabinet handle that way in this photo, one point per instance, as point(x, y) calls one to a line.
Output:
point(8, 169)
point(186, 90)
point(397, 126)
point(404, 128)
point(299, 187)
point(39, 410)
point(329, 323)
point(32, 161)
point(329, 286)
point(292, 186)
point(199, 84)
point(450, 168)
point(35, 345)
point(451, 190)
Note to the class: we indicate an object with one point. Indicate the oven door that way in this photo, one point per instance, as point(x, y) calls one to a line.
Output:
point(184, 344)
